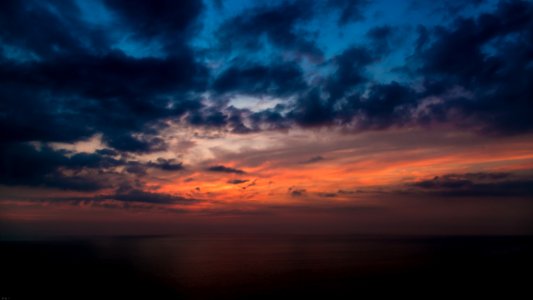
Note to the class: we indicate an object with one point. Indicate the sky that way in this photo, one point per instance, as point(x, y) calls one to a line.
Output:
point(327, 116)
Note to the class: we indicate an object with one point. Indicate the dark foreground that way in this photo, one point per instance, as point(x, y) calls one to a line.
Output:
point(217, 267)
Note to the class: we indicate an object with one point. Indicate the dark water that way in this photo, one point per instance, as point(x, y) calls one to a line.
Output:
point(266, 267)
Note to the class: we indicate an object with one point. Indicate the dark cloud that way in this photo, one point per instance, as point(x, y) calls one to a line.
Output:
point(79, 84)
point(277, 24)
point(25, 165)
point(91, 160)
point(312, 110)
point(274, 80)
point(477, 185)
point(383, 39)
point(495, 49)
point(237, 181)
point(55, 37)
point(224, 169)
point(210, 117)
point(135, 195)
point(83, 85)
point(107, 152)
point(380, 33)
point(448, 8)
point(273, 119)
point(68, 81)
point(350, 71)
point(384, 106)
point(136, 169)
point(165, 19)
point(349, 10)
point(128, 143)
point(281, 27)
point(166, 164)
point(236, 121)
point(295, 192)
point(484, 89)
point(130, 196)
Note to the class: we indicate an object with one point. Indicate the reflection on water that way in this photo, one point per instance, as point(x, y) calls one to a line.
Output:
point(209, 267)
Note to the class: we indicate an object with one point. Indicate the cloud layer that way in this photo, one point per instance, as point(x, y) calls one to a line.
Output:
point(170, 103)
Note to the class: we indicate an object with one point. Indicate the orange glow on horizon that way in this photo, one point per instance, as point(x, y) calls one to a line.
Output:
point(272, 180)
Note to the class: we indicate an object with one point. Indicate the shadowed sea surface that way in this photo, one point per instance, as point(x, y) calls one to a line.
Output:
point(267, 266)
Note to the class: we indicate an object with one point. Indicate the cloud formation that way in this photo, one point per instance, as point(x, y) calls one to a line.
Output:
point(477, 185)
point(169, 102)
point(224, 169)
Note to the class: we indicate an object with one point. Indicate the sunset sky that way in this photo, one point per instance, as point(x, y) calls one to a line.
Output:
point(326, 116)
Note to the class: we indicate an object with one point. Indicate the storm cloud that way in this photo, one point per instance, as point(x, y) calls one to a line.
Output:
point(135, 69)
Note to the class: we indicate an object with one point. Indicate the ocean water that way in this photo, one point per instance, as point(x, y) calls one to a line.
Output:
point(267, 267)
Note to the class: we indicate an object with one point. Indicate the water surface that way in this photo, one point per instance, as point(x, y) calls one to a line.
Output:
point(232, 267)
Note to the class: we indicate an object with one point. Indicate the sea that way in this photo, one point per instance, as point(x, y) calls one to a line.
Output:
point(268, 267)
